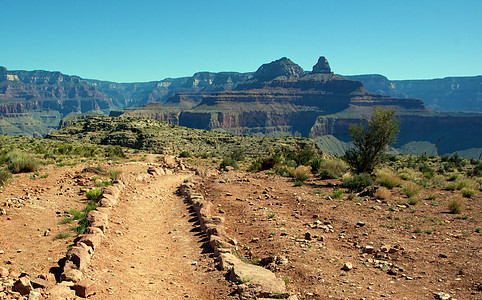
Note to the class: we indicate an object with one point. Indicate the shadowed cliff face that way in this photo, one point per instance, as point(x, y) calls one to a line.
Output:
point(281, 99)
point(445, 94)
point(43, 98)
point(279, 95)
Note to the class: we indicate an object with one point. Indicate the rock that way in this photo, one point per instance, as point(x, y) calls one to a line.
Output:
point(47, 232)
point(256, 281)
point(393, 271)
point(368, 249)
point(40, 283)
point(84, 288)
point(347, 266)
point(385, 248)
point(281, 67)
point(79, 256)
point(227, 261)
point(4, 272)
point(73, 275)
point(308, 236)
point(282, 260)
point(442, 296)
point(60, 292)
point(92, 240)
point(23, 286)
point(228, 168)
point(170, 161)
point(360, 224)
point(34, 295)
point(322, 66)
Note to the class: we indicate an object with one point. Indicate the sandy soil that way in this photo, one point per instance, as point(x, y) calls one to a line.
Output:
point(154, 249)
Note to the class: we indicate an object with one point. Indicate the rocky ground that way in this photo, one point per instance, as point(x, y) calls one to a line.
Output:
point(320, 246)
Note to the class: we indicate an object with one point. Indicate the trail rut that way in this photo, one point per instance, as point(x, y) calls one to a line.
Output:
point(153, 249)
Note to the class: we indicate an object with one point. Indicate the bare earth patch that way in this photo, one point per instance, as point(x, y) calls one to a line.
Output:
point(319, 245)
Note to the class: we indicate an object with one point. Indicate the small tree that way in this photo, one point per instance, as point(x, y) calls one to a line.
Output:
point(371, 140)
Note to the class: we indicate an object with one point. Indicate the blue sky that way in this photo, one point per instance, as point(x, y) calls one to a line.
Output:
point(127, 41)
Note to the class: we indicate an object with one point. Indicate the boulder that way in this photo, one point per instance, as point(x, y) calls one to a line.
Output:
point(79, 256)
point(92, 240)
point(255, 281)
point(227, 261)
point(84, 288)
point(40, 283)
point(4, 272)
point(72, 275)
point(23, 286)
point(60, 292)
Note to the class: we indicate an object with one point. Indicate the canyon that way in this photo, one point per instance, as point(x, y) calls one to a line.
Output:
point(279, 99)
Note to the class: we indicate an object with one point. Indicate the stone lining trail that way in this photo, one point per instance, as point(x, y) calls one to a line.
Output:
point(152, 250)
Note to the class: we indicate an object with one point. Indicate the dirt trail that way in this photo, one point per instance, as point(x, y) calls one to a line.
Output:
point(153, 249)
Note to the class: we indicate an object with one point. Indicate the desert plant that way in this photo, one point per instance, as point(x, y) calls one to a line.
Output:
point(228, 161)
point(335, 165)
point(358, 182)
point(337, 194)
point(304, 156)
point(387, 179)
point(316, 164)
point(413, 200)
point(411, 189)
point(116, 152)
point(455, 206)
point(93, 194)
point(467, 192)
point(382, 193)
point(185, 154)
point(113, 174)
point(284, 171)
point(371, 140)
point(5, 175)
point(61, 235)
point(327, 174)
point(301, 173)
point(19, 162)
point(408, 174)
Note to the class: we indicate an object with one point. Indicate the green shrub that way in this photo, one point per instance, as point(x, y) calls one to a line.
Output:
point(93, 194)
point(228, 161)
point(304, 156)
point(388, 179)
point(301, 173)
point(298, 183)
point(336, 165)
point(467, 192)
point(337, 194)
point(237, 155)
point(61, 235)
point(316, 165)
point(455, 206)
point(284, 171)
point(262, 164)
point(5, 175)
point(411, 189)
point(113, 174)
point(185, 154)
point(116, 151)
point(19, 162)
point(358, 182)
point(371, 140)
point(426, 171)
point(327, 174)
